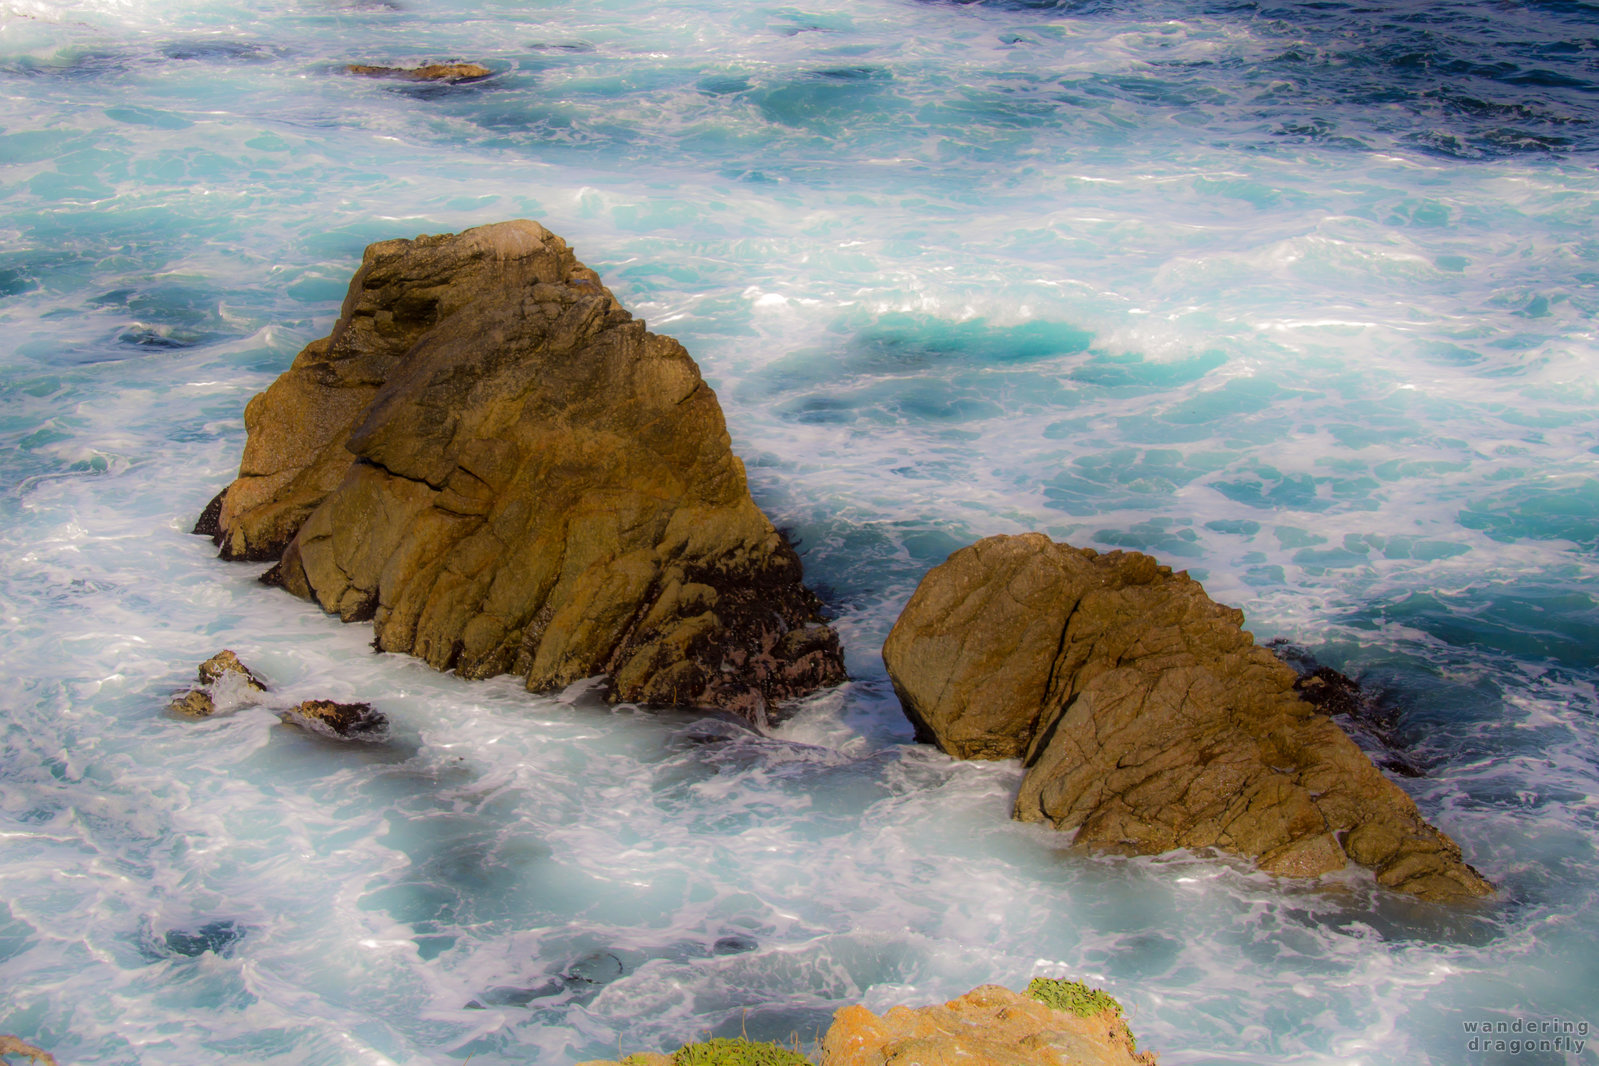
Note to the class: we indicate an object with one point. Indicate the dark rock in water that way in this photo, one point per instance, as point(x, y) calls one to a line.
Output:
point(595, 968)
point(581, 980)
point(340, 719)
point(215, 937)
point(445, 72)
point(504, 471)
point(736, 944)
point(195, 703)
point(1361, 712)
point(226, 683)
point(515, 996)
point(206, 525)
point(223, 680)
point(1147, 717)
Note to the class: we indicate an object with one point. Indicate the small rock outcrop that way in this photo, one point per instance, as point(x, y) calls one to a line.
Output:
point(223, 681)
point(227, 684)
point(505, 472)
point(988, 1026)
point(340, 719)
point(1147, 718)
point(445, 72)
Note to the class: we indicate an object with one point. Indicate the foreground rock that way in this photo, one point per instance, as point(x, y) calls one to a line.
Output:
point(446, 72)
point(1055, 1023)
point(988, 1026)
point(1147, 718)
point(504, 471)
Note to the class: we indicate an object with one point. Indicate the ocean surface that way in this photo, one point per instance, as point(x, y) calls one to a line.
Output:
point(1297, 296)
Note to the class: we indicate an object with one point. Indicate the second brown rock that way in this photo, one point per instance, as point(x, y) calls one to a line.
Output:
point(1147, 718)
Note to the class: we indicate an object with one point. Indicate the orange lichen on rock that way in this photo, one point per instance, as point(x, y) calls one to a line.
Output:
point(10, 1045)
point(988, 1026)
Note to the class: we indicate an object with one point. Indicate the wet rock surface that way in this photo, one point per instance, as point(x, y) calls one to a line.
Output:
point(224, 682)
point(437, 72)
point(340, 719)
point(503, 471)
point(1147, 718)
point(1360, 710)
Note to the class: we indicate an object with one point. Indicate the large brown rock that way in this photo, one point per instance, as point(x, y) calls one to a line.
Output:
point(504, 471)
point(1147, 718)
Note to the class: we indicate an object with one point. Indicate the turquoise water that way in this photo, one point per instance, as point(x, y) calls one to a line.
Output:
point(1298, 297)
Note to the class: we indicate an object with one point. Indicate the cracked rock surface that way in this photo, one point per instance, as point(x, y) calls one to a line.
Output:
point(503, 471)
point(1147, 718)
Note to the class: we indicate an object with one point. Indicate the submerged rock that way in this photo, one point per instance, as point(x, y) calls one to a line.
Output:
point(448, 72)
point(218, 938)
point(1362, 713)
point(504, 471)
point(717, 1051)
point(1147, 718)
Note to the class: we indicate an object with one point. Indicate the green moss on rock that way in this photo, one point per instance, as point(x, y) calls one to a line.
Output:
point(1073, 997)
point(729, 1051)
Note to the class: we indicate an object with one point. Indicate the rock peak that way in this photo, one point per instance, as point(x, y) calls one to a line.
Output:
point(503, 470)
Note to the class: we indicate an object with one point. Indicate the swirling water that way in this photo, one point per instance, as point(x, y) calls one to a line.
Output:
point(1298, 296)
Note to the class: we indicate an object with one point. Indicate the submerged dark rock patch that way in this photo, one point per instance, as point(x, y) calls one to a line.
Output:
point(217, 938)
point(1360, 710)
